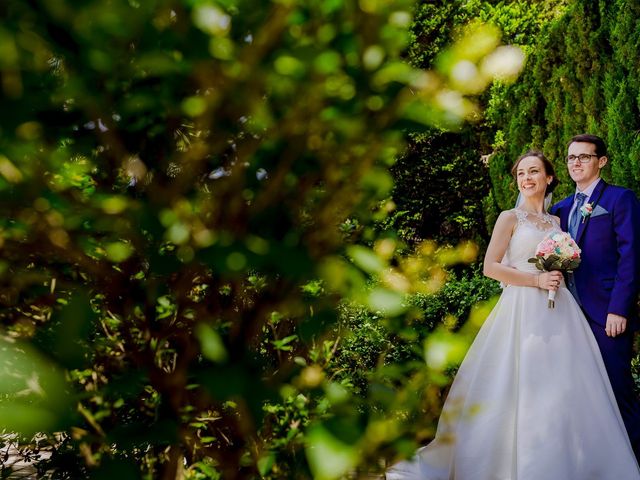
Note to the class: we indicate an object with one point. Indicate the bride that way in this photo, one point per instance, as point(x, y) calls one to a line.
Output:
point(532, 400)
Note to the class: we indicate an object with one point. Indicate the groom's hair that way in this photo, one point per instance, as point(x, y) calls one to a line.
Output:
point(548, 167)
point(601, 147)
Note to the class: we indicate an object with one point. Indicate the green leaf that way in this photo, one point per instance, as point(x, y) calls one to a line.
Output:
point(118, 251)
point(34, 391)
point(211, 343)
point(387, 301)
point(266, 463)
point(327, 62)
point(283, 343)
point(444, 349)
point(18, 417)
point(114, 204)
point(329, 458)
point(366, 259)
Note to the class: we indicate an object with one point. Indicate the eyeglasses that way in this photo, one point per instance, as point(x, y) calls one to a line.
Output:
point(583, 157)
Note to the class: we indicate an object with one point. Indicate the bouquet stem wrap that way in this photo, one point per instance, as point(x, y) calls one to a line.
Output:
point(551, 303)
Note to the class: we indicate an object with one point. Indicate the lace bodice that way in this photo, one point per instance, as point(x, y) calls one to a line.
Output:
point(530, 229)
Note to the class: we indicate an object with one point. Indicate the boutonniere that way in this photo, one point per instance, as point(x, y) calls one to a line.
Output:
point(586, 210)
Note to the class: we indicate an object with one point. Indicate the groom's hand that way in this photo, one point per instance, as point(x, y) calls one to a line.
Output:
point(615, 325)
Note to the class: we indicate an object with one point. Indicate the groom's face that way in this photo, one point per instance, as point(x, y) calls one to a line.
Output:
point(584, 173)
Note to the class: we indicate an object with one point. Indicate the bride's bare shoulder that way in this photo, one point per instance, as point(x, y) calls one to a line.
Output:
point(507, 219)
point(508, 215)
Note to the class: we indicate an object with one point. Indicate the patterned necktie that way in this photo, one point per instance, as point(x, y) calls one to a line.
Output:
point(574, 221)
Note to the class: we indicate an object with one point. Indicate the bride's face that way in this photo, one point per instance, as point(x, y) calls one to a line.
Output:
point(531, 177)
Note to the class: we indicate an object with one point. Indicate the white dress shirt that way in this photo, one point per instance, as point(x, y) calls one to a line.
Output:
point(587, 191)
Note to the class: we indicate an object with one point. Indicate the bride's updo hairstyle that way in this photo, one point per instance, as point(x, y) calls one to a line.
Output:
point(548, 167)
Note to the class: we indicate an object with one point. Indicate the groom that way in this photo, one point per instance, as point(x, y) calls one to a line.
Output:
point(605, 222)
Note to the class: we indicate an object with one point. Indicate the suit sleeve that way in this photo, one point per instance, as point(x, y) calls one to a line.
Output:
point(626, 224)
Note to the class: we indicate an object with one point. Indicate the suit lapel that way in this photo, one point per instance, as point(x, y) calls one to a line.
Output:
point(593, 200)
point(564, 214)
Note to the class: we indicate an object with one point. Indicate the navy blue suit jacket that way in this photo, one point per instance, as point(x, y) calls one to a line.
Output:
point(608, 277)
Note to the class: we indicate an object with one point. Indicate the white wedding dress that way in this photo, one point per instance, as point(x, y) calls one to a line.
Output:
point(532, 400)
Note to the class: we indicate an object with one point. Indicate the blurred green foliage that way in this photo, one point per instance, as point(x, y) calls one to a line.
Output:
point(189, 196)
point(440, 184)
point(443, 187)
point(581, 77)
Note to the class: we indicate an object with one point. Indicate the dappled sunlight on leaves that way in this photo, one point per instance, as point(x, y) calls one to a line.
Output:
point(191, 199)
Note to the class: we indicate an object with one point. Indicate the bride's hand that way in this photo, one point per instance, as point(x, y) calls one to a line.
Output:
point(550, 280)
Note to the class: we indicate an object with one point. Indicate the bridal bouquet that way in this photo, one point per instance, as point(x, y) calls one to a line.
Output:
point(557, 251)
